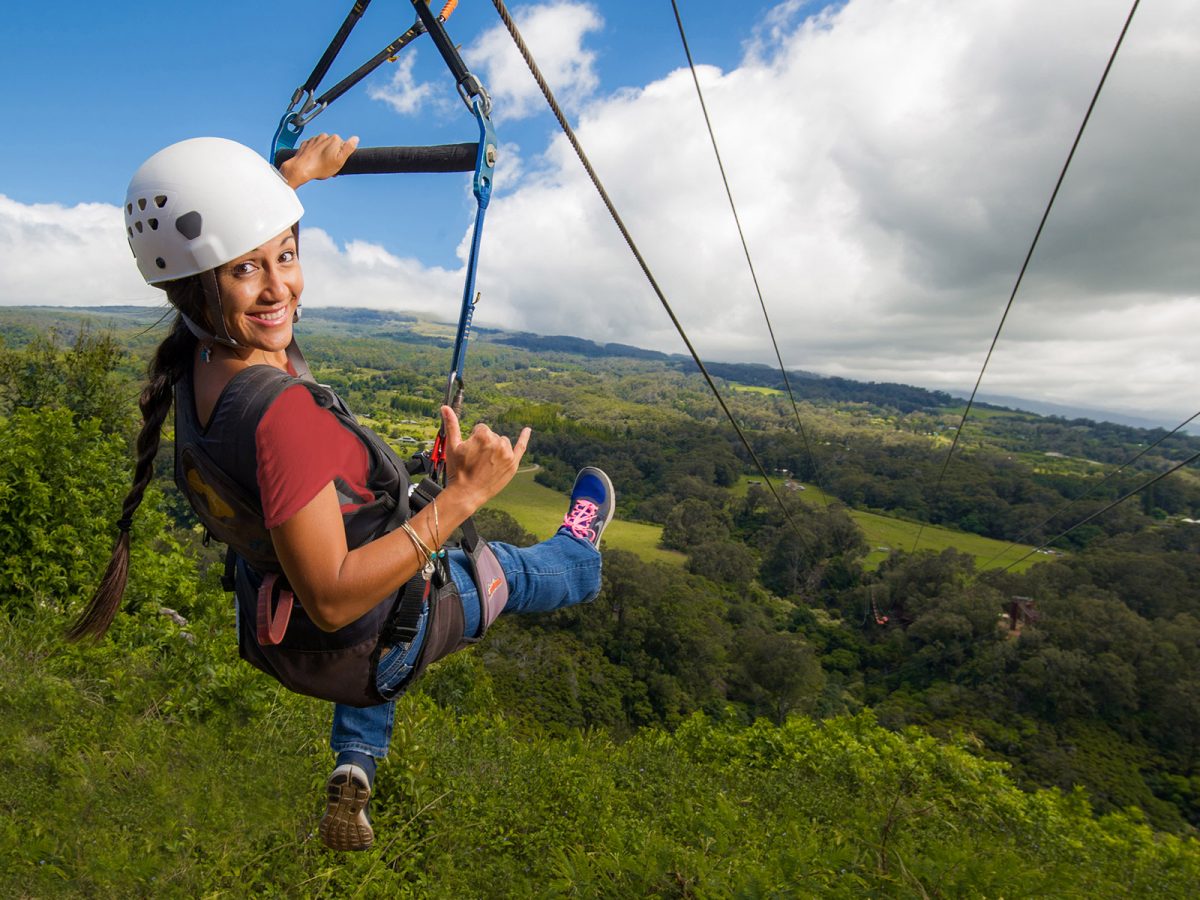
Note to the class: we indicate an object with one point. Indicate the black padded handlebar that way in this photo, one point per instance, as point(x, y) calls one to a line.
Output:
point(383, 160)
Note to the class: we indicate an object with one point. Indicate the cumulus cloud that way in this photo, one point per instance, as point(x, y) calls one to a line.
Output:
point(359, 273)
point(890, 160)
point(402, 92)
point(554, 33)
point(53, 255)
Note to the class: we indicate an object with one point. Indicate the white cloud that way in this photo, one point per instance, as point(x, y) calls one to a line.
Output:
point(554, 33)
point(366, 275)
point(891, 161)
point(402, 92)
point(53, 255)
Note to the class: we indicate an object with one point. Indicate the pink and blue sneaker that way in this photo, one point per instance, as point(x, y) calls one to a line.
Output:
point(593, 502)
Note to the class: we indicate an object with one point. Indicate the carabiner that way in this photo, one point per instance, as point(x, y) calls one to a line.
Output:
point(470, 88)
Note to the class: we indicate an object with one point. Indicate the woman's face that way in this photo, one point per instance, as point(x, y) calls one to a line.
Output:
point(260, 291)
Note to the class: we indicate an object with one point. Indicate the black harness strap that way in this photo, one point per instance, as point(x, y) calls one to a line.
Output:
point(334, 48)
point(468, 85)
point(414, 31)
point(304, 106)
point(402, 626)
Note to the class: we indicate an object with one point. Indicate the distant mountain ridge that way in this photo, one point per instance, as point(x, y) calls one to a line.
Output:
point(806, 385)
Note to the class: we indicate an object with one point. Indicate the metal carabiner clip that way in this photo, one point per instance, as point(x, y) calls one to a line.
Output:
point(470, 88)
point(292, 124)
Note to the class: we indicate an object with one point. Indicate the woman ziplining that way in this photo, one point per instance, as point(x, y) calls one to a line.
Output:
point(344, 587)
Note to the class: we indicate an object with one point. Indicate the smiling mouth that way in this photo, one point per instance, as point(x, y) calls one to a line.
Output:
point(275, 317)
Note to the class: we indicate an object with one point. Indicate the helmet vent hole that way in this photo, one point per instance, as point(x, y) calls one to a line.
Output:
point(141, 202)
point(189, 225)
point(130, 230)
point(160, 262)
point(160, 201)
point(129, 209)
point(138, 226)
point(153, 223)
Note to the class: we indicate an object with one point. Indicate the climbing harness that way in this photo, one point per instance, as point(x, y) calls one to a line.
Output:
point(215, 468)
point(479, 157)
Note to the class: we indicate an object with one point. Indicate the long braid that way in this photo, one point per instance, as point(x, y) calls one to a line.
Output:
point(170, 363)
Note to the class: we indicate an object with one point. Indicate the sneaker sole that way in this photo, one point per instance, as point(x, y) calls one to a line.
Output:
point(612, 501)
point(345, 825)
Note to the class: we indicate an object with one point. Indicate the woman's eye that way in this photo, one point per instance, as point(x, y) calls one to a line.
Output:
point(243, 268)
point(287, 256)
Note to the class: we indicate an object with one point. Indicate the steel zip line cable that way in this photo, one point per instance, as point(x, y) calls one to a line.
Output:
point(745, 247)
point(1095, 487)
point(502, 10)
point(1029, 255)
point(1100, 512)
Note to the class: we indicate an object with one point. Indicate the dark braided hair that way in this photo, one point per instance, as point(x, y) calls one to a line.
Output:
point(170, 363)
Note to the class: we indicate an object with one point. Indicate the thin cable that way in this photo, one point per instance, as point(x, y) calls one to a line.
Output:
point(1136, 490)
point(745, 247)
point(1029, 255)
point(1095, 487)
point(502, 10)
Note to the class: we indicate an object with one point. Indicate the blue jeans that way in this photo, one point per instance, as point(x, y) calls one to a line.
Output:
point(560, 572)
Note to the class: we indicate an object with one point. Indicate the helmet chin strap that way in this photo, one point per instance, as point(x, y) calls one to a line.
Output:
point(212, 301)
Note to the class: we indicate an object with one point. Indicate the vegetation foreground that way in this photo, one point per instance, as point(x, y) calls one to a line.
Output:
point(168, 768)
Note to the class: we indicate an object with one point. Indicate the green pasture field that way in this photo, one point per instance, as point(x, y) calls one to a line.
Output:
point(540, 510)
point(899, 534)
point(755, 389)
point(982, 412)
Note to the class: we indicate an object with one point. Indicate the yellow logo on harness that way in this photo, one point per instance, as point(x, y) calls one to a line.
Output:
point(212, 499)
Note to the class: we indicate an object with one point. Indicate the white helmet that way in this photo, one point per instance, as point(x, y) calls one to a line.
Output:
point(200, 203)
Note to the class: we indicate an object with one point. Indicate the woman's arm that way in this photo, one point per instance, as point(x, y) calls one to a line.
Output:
point(317, 158)
point(337, 585)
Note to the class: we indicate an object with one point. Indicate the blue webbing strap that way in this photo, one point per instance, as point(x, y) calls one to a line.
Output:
point(485, 167)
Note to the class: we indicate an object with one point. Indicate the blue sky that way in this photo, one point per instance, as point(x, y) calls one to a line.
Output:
point(890, 159)
point(105, 85)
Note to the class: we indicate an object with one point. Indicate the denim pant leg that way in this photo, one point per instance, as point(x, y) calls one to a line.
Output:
point(368, 729)
point(562, 571)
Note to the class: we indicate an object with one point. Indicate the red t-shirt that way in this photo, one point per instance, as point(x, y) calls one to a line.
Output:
point(301, 448)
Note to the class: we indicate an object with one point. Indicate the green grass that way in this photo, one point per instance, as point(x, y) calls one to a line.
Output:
point(539, 510)
point(891, 533)
point(756, 389)
point(899, 534)
point(982, 412)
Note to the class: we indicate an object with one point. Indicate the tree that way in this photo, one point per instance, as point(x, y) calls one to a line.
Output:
point(775, 673)
point(726, 562)
point(694, 522)
point(60, 489)
point(83, 379)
